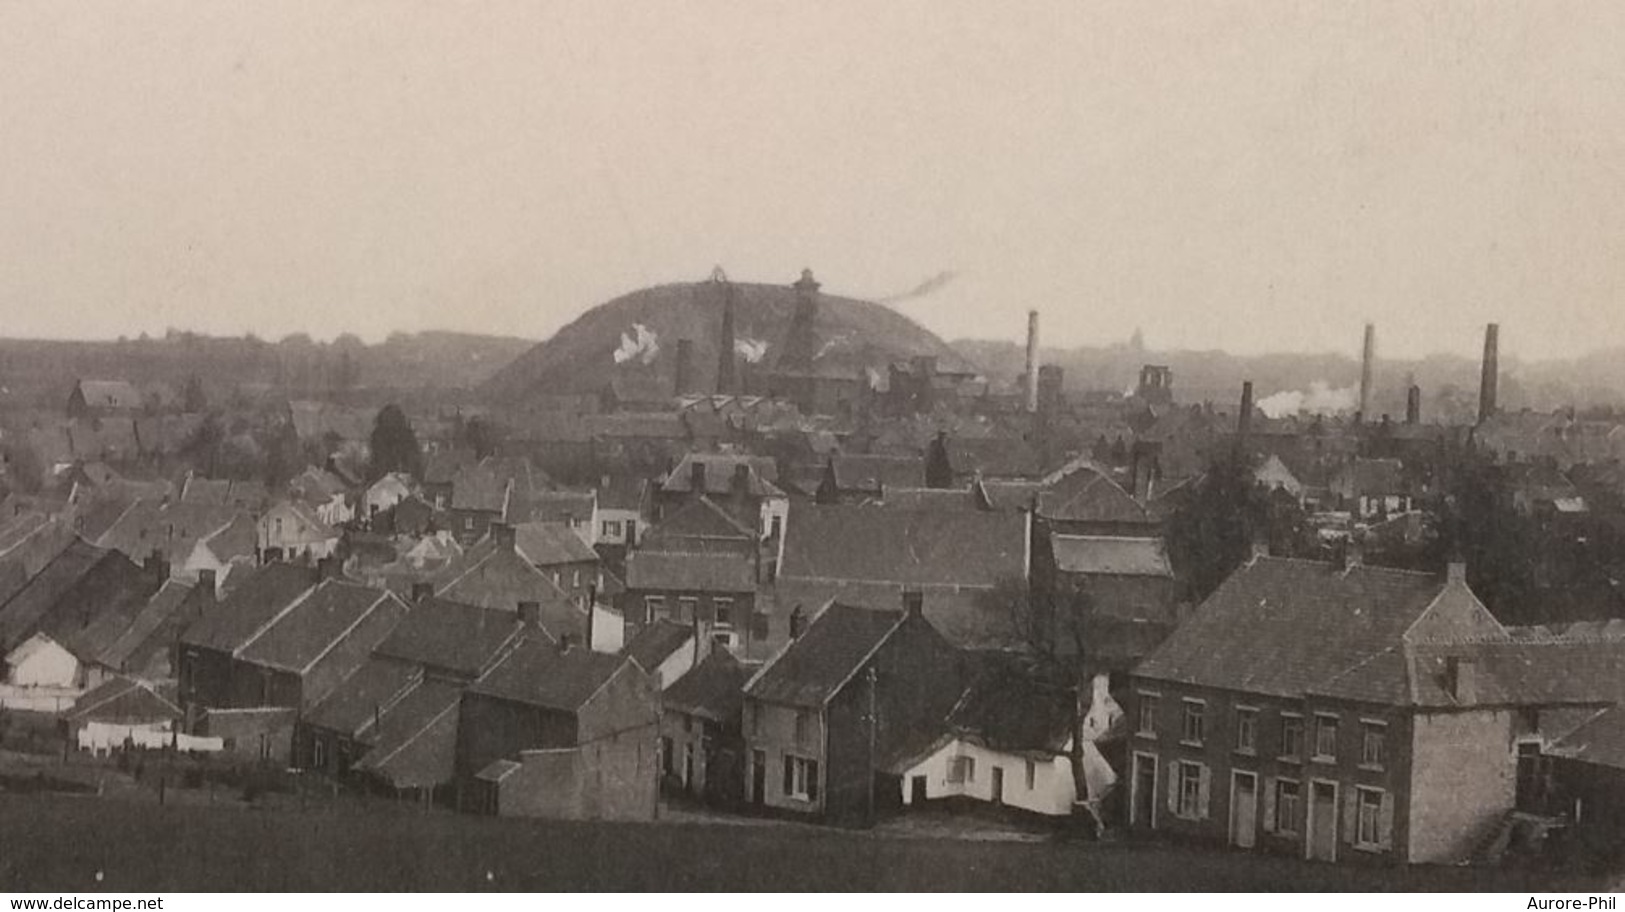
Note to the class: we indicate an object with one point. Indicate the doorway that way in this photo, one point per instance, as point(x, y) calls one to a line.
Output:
point(1323, 821)
point(758, 777)
point(916, 790)
point(1143, 809)
point(1243, 809)
point(998, 785)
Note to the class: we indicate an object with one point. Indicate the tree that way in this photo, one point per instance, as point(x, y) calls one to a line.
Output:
point(202, 448)
point(193, 399)
point(939, 470)
point(1059, 628)
point(478, 435)
point(394, 443)
point(1212, 533)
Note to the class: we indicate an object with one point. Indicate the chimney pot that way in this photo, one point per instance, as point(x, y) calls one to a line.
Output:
point(422, 591)
point(208, 583)
point(696, 476)
point(913, 602)
point(530, 614)
point(503, 535)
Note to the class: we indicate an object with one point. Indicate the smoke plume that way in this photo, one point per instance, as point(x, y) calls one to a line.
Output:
point(928, 287)
point(642, 344)
point(752, 350)
point(1319, 399)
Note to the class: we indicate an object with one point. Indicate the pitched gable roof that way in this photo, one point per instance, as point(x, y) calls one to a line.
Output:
point(816, 665)
point(1086, 494)
point(713, 689)
point(312, 625)
point(719, 473)
point(547, 544)
point(121, 700)
point(80, 583)
point(540, 674)
point(1111, 555)
point(492, 575)
point(959, 548)
point(657, 642)
point(256, 602)
point(463, 639)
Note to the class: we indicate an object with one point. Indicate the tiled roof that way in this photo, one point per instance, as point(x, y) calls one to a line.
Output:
point(700, 518)
point(547, 544)
point(233, 621)
point(1087, 495)
point(715, 571)
point(117, 394)
point(415, 744)
point(929, 499)
point(172, 529)
point(864, 544)
point(652, 425)
point(123, 701)
point(714, 689)
point(1600, 741)
point(313, 625)
point(479, 488)
point(464, 639)
point(1283, 626)
point(815, 665)
point(656, 642)
point(131, 640)
point(552, 507)
point(350, 707)
point(490, 575)
point(1111, 555)
point(540, 674)
point(81, 581)
point(993, 457)
point(760, 475)
point(1011, 495)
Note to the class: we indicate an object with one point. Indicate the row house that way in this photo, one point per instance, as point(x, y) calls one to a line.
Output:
point(744, 486)
point(496, 573)
point(1342, 712)
point(853, 689)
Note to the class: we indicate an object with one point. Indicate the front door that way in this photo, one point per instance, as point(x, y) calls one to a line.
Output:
point(1323, 821)
point(758, 777)
point(1243, 809)
point(916, 790)
point(998, 785)
point(1145, 791)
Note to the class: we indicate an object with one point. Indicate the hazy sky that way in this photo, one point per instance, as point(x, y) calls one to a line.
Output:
point(1252, 176)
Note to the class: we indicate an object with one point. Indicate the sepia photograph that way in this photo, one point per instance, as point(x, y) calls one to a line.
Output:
point(724, 446)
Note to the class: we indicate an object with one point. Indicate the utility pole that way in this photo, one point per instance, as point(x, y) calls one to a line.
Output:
point(871, 676)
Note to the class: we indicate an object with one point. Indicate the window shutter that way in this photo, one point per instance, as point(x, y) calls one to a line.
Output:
point(1203, 791)
point(1385, 821)
point(789, 775)
point(1173, 788)
point(1269, 805)
point(1351, 814)
point(812, 780)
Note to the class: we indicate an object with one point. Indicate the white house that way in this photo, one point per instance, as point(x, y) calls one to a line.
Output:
point(668, 650)
point(41, 661)
point(385, 493)
point(1008, 743)
point(291, 529)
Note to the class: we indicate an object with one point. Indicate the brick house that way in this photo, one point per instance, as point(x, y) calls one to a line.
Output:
point(698, 567)
point(1342, 713)
point(559, 551)
point(553, 731)
point(744, 486)
point(855, 687)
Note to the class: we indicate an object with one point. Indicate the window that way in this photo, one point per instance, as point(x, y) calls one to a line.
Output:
point(1325, 737)
point(800, 778)
point(1032, 774)
point(610, 528)
point(1148, 714)
point(318, 753)
point(687, 608)
point(1246, 729)
point(755, 710)
point(1291, 736)
point(1286, 806)
point(1373, 744)
point(724, 608)
point(575, 578)
point(654, 608)
point(1368, 818)
point(962, 770)
point(1192, 795)
point(803, 726)
point(1191, 724)
point(468, 524)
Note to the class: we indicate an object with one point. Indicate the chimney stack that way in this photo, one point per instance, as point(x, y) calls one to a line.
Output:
point(503, 535)
point(328, 568)
point(208, 585)
point(727, 359)
point(1456, 572)
point(1367, 361)
point(682, 382)
point(913, 602)
point(696, 476)
point(422, 591)
point(1244, 418)
point(1489, 380)
point(1413, 405)
point(530, 614)
point(1032, 361)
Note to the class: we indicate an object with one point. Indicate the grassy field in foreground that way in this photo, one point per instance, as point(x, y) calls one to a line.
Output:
point(54, 843)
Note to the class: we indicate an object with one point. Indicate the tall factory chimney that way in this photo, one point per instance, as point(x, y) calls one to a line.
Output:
point(1490, 378)
point(727, 358)
point(1032, 361)
point(1413, 404)
point(1244, 418)
point(1367, 358)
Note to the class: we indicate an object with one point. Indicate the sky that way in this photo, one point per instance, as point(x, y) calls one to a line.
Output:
point(1240, 175)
